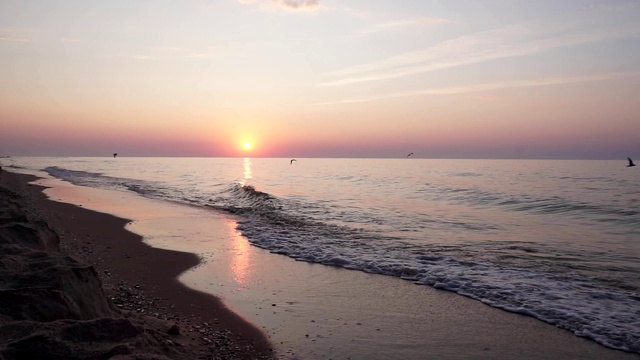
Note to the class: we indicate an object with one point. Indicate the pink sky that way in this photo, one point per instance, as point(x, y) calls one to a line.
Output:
point(321, 79)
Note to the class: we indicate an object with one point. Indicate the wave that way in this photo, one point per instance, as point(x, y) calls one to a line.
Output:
point(240, 198)
point(99, 180)
point(569, 302)
point(599, 212)
point(573, 303)
point(606, 315)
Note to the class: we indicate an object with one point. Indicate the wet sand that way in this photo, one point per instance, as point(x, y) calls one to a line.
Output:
point(313, 311)
point(310, 311)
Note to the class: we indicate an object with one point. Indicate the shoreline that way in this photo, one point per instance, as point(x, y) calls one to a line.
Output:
point(316, 311)
point(141, 278)
point(308, 311)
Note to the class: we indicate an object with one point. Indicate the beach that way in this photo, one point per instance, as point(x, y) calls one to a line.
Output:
point(304, 311)
point(140, 287)
point(317, 179)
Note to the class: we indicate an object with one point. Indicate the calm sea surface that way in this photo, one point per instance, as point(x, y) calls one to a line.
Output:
point(557, 240)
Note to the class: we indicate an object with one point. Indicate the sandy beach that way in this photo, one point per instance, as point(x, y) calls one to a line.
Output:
point(300, 310)
point(140, 284)
point(319, 179)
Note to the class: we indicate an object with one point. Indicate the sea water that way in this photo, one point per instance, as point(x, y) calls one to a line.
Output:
point(556, 240)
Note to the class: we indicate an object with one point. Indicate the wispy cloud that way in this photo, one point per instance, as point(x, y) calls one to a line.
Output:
point(432, 20)
point(14, 39)
point(137, 56)
point(402, 24)
point(201, 55)
point(490, 86)
point(175, 49)
point(289, 5)
point(15, 35)
point(163, 53)
point(185, 52)
point(504, 42)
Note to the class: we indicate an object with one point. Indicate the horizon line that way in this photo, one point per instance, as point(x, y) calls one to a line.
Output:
point(323, 157)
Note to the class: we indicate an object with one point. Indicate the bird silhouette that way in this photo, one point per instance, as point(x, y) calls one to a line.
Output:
point(630, 162)
point(292, 160)
point(115, 154)
point(409, 154)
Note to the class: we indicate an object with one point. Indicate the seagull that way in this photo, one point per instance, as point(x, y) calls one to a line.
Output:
point(630, 162)
point(292, 160)
point(409, 154)
point(115, 154)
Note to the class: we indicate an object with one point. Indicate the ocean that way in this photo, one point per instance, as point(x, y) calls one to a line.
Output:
point(555, 240)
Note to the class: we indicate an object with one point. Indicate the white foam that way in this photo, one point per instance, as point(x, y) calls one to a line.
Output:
point(607, 315)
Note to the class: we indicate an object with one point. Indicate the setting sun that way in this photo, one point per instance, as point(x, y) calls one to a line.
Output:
point(247, 145)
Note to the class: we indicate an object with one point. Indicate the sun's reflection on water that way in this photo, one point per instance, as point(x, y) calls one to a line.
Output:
point(247, 171)
point(240, 264)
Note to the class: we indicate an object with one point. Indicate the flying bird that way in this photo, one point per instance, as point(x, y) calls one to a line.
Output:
point(115, 154)
point(409, 154)
point(630, 162)
point(292, 160)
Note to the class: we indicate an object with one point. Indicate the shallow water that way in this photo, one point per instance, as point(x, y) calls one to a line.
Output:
point(557, 240)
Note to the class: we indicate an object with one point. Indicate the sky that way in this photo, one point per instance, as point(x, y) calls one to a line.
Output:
point(321, 78)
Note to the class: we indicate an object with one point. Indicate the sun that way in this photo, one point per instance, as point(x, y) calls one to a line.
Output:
point(247, 145)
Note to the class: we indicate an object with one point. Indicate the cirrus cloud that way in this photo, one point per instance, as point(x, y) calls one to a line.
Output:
point(15, 35)
point(403, 24)
point(491, 86)
point(290, 5)
point(507, 41)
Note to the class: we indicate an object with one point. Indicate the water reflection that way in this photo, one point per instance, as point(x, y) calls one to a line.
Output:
point(240, 265)
point(240, 259)
point(247, 171)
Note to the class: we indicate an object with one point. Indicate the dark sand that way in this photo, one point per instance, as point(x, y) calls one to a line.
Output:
point(141, 279)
